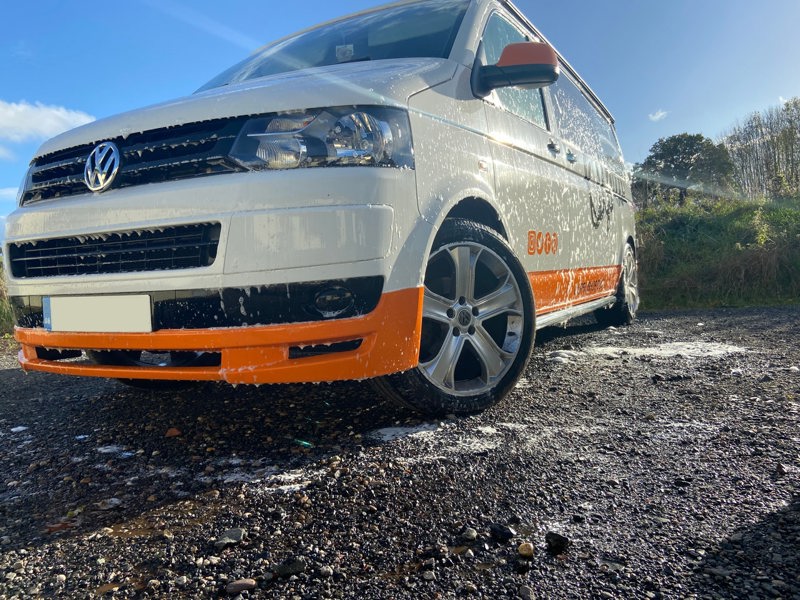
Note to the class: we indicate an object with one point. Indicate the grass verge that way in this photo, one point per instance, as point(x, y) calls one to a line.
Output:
point(6, 320)
point(722, 253)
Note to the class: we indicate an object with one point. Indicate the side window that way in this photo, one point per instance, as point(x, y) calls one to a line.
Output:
point(581, 123)
point(528, 104)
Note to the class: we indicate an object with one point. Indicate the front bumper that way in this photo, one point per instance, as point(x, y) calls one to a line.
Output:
point(389, 342)
point(274, 228)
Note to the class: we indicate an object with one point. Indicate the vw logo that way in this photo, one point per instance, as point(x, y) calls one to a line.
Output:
point(102, 166)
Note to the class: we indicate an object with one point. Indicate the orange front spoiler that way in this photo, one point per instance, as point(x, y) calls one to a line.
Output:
point(390, 334)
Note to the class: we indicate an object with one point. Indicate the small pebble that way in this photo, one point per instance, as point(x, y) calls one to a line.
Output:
point(556, 543)
point(230, 538)
point(526, 593)
point(239, 586)
point(525, 550)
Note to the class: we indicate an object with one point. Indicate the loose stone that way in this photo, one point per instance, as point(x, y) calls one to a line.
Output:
point(230, 538)
point(290, 567)
point(239, 586)
point(526, 593)
point(556, 543)
point(501, 533)
point(525, 550)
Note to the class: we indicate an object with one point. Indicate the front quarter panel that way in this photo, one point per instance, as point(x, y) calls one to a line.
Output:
point(452, 156)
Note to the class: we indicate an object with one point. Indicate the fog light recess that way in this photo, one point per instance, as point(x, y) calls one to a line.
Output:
point(333, 301)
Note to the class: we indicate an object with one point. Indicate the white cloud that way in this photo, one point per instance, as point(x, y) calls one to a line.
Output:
point(8, 194)
point(6, 154)
point(657, 116)
point(23, 121)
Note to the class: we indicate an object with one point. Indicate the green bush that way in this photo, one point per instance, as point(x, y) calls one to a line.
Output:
point(720, 253)
point(6, 320)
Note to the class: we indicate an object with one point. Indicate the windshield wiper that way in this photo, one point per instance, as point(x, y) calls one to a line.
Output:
point(352, 60)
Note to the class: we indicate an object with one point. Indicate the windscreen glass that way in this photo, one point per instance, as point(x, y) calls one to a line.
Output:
point(422, 29)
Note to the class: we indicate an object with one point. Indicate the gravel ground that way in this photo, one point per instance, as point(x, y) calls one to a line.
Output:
point(656, 461)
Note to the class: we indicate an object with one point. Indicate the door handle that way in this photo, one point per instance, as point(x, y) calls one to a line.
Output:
point(553, 147)
point(571, 157)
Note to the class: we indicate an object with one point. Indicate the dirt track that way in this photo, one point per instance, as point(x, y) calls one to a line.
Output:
point(667, 453)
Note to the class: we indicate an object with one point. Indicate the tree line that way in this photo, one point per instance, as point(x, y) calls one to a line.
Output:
point(757, 158)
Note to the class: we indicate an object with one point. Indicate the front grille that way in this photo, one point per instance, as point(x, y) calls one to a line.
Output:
point(183, 247)
point(165, 154)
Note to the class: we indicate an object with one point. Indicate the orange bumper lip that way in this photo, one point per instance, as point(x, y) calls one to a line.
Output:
point(390, 337)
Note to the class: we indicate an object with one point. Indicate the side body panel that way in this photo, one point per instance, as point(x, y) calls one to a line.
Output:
point(592, 152)
point(565, 220)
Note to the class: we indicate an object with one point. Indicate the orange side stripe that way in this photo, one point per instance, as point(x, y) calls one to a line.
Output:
point(554, 290)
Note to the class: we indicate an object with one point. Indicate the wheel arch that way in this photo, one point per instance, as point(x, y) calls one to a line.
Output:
point(478, 210)
point(469, 205)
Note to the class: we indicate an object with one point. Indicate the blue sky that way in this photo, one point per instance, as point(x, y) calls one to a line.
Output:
point(661, 67)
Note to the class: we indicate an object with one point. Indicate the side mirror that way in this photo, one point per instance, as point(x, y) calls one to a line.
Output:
point(528, 64)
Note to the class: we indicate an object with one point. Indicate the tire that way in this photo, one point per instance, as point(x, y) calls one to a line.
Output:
point(477, 325)
point(133, 358)
point(623, 311)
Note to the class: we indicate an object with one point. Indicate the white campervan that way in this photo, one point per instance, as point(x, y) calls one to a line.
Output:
point(406, 194)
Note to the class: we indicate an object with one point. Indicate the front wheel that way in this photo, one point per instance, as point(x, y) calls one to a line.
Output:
point(477, 324)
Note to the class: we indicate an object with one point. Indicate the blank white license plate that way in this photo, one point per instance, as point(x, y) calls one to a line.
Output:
point(109, 314)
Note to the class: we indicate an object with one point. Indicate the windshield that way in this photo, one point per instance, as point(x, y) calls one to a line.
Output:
point(422, 29)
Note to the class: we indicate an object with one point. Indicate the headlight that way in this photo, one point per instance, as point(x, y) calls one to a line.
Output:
point(24, 186)
point(366, 136)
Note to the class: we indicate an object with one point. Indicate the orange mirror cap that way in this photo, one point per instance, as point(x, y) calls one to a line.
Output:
point(527, 53)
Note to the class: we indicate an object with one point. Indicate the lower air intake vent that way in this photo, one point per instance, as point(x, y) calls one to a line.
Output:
point(323, 349)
